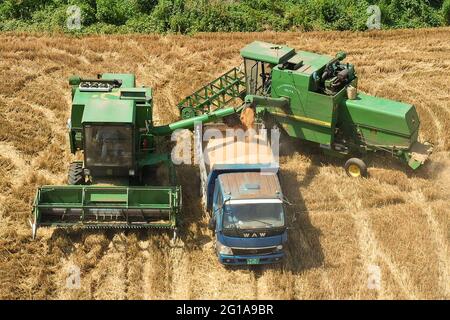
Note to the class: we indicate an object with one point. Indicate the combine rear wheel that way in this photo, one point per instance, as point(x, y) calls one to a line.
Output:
point(355, 168)
point(76, 175)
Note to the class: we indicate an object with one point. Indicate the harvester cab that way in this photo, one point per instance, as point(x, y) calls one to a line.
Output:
point(109, 122)
point(261, 58)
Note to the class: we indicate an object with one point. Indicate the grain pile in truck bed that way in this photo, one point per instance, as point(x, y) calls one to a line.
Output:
point(235, 150)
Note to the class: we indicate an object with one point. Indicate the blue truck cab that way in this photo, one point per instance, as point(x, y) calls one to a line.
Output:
point(244, 200)
point(248, 218)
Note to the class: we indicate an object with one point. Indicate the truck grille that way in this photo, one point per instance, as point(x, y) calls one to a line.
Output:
point(251, 251)
point(253, 233)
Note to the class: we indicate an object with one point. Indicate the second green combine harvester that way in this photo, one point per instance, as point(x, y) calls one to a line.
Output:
point(314, 97)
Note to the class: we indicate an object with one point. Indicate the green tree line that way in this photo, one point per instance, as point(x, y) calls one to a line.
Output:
point(190, 16)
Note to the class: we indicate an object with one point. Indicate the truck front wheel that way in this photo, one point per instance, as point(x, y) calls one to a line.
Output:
point(355, 168)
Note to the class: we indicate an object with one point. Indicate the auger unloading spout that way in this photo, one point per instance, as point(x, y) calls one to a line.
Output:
point(190, 122)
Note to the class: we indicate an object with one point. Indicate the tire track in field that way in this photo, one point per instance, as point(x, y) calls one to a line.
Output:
point(262, 281)
point(325, 279)
point(22, 168)
point(153, 271)
point(181, 272)
point(135, 269)
point(438, 237)
point(102, 264)
point(367, 242)
point(8, 151)
point(48, 113)
point(134, 266)
point(110, 273)
point(27, 166)
point(146, 268)
point(77, 257)
point(157, 273)
point(372, 251)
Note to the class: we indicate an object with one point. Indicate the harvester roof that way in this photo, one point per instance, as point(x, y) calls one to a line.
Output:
point(109, 111)
point(267, 52)
point(310, 61)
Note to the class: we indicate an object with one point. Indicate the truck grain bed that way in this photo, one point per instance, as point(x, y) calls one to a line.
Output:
point(219, 154)
point(234, 150)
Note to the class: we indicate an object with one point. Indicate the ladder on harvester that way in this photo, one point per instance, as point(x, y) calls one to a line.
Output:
point(215, 95)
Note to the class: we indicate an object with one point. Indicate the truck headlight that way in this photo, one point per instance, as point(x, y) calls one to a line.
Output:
point(222, 249)
point(279, 247)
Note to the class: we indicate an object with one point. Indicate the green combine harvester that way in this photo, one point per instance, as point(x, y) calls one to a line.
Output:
point(116, 185)
point(314, 97)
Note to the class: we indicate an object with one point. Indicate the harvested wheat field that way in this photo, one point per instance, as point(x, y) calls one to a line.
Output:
point(396, 221)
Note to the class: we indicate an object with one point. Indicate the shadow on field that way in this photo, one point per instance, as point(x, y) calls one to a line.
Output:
point(193, 220)
point(385, 161)
point(303, 248)
point(374, 160)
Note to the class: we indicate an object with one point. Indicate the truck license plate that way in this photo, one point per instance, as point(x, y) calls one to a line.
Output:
point(253, 261)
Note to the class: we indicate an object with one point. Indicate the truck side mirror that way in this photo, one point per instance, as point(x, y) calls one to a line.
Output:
point(212, 224)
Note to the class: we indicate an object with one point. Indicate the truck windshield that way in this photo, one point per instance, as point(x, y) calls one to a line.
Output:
point(253, 215)
point(108, 145)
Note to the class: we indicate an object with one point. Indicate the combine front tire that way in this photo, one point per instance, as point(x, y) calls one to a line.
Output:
point(76, 175)
point(355, 168)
